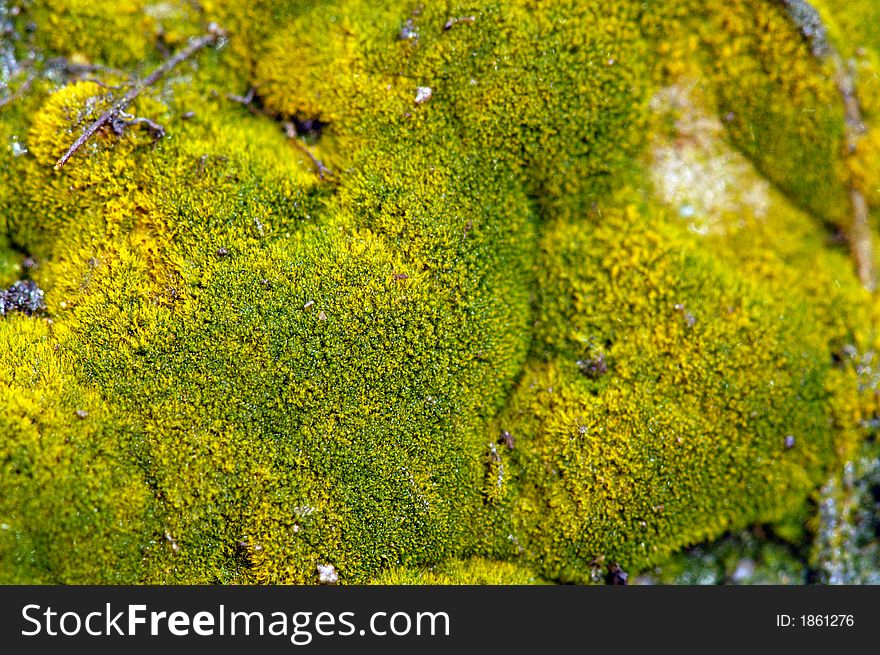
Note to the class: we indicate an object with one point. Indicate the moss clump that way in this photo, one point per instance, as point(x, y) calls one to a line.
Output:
point(553, 99)
point(281, 371)
point(476, 571)
point(257, 250)
point(745, 223)
point(777, 88)
point(118, 34)
point(611, 464)
point(74, 506)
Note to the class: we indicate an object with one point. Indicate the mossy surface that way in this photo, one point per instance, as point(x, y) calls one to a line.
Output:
point(476, 571)
point(74, 506)
point(250, 367)
point(10, 264)
point(608, 455)
point(742, 559)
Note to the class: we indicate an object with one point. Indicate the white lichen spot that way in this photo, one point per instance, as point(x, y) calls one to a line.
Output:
point(163, 11)
point(698, 173)
point(327, 574)
point(423, 94)
point(17, 149)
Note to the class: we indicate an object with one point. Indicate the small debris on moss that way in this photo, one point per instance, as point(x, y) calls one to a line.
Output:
point(594, 367)
point(171, 540)
point(616, 575)
point(452, 22)
point(123, 120)
point(408, 32)
point(327, 574)
point(423, 94)
point(507, 439)
point(688, 317)
point(110, 116)
point(23, 296)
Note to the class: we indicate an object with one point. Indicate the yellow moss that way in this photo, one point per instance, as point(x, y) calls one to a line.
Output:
point(477, 571)
point(540, 115)
point(752, 227)
point(10, 264)
point(90, 516)
point(115, 33)
point(779, 100)
point(293, 371)
point(675, 443)
point(864, 167)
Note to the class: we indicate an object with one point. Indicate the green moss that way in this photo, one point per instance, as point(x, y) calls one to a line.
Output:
point(75, 506)
point(344, 333)
point(617, 468)
point(282, 371)
point(119, 34)
point(555, 97)
point(747, 224)
point(10, 264)
point(477, 571)
point(779, 100)
point(854, 24)
point(853, 28)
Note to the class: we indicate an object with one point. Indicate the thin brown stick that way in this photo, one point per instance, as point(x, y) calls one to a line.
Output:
point(213, 35)
point(809, 23)
point(290, 132)
point(860, 240)
point(859, 232)
point(104, 85)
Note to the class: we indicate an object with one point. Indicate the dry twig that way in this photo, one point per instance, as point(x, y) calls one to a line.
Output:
point(811, 27)
point(859, 230)
point(289, 130)
point(213, 35)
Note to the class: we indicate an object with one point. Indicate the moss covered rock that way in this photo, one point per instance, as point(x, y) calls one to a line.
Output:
point(475, 571)
point(406, 291)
